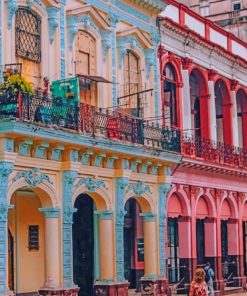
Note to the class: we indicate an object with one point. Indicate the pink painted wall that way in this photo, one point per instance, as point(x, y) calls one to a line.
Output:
point(184, 234)
point(232, 229)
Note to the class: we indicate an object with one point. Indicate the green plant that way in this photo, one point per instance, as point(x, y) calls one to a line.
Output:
point(16, 83)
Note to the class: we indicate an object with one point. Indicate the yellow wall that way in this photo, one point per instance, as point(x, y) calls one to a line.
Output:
point(29, 275)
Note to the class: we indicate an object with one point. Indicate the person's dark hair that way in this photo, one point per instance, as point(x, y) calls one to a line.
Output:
point(208, 264)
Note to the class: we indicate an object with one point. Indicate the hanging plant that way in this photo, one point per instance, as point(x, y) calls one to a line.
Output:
point(16, 83)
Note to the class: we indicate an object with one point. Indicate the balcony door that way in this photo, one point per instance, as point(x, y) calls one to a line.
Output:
point(85, 65)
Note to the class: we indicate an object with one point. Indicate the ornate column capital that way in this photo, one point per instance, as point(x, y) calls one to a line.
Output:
point(106, 42)
point(50, 212)
point(72, 25)
point(149, 217)
point(186, 63)
point(52, 21)
point(234, 84)
point(12, 8)
point(4, 208)
point(211, 74)
point(104, 215)
point(149, 60)
point(122, 49)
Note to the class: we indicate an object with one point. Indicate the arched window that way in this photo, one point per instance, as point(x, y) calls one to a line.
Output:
point(28, 44)
point(170, 99)
point(85, 65)
point(195, 105)
point(132, 82)
point(223, 112)
point(241, 110)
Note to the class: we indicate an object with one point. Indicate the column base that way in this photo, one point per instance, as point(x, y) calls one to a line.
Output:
point(111, 289)
point(157, 287)
point(59, 292)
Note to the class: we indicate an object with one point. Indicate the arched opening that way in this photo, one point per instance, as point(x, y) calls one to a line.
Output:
point(133, 245)
point(85, 249)
point(229, 247)
point(26, 240)
point(28, 44)
point(223, 112)
point(85, 66)
point(178, 248)
point(170, 112)
point(242, 117)
point(244, 226)
point(199, 105)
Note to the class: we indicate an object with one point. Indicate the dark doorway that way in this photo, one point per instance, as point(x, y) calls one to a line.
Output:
point(133, 245)
point(83, 245)
point(200, 241)
point(224, 241)
point(245, 246)
point(11, 261)
point(173, 256)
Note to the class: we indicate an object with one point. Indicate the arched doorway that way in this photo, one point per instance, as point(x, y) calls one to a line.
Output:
point(241, 99)
point(26, 240)
point(170, 112)
point(223, 112)
point(179, 244)
point(133, 245)
point(84, 244)
point(229, 247)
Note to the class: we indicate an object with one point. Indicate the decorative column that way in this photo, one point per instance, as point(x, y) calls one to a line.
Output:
point(68, 178)
point(106, 251)
point(52, 249)
point(218, 272)
point(186, 113)
point(121, 184)
point(213, 124)
point(193, 191)
point(162, 197)
point(235, 127)
point(5, 170)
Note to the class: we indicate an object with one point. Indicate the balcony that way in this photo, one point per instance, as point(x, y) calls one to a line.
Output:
point(96, 122)
point(88, 120)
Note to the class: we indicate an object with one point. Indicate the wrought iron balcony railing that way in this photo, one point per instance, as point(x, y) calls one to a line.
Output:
point(114, 125)
point(89, 120)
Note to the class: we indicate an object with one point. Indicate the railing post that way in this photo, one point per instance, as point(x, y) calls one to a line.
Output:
point(19, 102)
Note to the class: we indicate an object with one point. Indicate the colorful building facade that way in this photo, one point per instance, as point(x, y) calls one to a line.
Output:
point(203, 84)
point(80, 167)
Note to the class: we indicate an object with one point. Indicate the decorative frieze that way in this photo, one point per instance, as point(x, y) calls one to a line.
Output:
point(139, 188)
point(33, 177)
point(91, 184)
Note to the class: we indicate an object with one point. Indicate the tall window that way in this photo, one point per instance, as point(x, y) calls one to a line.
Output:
point(85, 64)
point(170, 100)
point(195, 104)
point(241, 108)
point(173, 256)
point(132, 83)
point(28, 44)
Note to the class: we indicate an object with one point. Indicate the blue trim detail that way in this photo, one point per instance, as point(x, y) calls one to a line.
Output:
point(52, 21)
point(121, 184)
point(62, 41)
point(162, 195)
point(68, 178)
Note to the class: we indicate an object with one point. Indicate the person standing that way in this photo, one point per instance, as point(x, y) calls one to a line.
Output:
point(209, 278)
point(198, 286)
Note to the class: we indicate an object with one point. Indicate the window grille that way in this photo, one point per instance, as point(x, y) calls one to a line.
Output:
point(33, 237)
point(27, 35)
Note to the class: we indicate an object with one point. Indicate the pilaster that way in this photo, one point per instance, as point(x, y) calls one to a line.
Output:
point(68, 179)
point(5, 170)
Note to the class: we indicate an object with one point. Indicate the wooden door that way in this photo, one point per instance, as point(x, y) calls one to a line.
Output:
point(86, 65)
point(31, 72)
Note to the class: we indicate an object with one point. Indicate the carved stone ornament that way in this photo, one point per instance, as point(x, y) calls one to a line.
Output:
point(33, 177)
point(4, 208)
point(91, 184)
point(139, 188)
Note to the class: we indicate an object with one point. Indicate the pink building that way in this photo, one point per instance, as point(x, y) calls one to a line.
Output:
point(204, 94)
point(230, 14)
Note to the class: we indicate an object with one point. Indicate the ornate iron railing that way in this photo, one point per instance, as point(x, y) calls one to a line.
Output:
point(88, 119)
point(114, 125)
